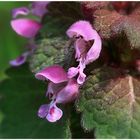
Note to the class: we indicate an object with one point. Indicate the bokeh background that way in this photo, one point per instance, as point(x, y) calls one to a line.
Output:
point(11, 45)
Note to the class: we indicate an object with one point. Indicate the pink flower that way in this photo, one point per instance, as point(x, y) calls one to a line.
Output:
point(87, 46)
point(23, 57)
point(19, 60)
point(39, 8)
point(26, 27)
point(50, 111)
point(56, 74)
point(20, 11)
point(60, 90)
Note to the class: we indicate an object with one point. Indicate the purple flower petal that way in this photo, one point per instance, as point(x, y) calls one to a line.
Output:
point(26, 27)
point(94, 51)
point(84, 29)
point(86, 52)
point(19, 60)
point(39, 8)
point(81, 28)
point(72, 72)
point(54, 114)
point(43, 110)
point(55, 73)
point(68, 93)
point(20, 11)
point(81, 78)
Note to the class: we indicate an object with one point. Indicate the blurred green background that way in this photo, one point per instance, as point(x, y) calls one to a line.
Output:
point(11, 45)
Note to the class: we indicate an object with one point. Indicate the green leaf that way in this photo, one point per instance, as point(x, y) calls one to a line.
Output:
point(52, 45)
point(20, 97)
point(2, 75)
point(52, 51)
point(59, 18)
point(76, 129)
point(53, 27)
point(110, 104)
point(66, 12)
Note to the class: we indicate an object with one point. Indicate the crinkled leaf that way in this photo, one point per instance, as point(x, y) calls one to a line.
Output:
point(110, 23)
point(89, 7)
point(94, 5)
point(76, 130)
point(130, 26)
point(109, 102)
point(45, 52)
point(21, 96)
point(104, 19)
point(65, 11)
point(59, 18)
point(52, 27)
point(136, 12)
point(52, 51)
point(52, 46)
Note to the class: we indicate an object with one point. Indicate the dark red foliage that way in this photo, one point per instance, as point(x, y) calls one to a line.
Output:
point(88, 8)
point(118, 23)
point(122, 7)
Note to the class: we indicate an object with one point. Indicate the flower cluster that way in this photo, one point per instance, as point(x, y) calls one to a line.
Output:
point(87, 47)
point(60, 90)
point(63, 86)
point(26, 27)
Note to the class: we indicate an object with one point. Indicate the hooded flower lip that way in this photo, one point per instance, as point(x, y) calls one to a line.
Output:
point(87, 46)
point(19, 60)
point(25, 27)
point(84, 29)
point(20, 11)
point(60, 90)
point(81, 28)
point(59, 85)
point(39, 8)
point(55, 73)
